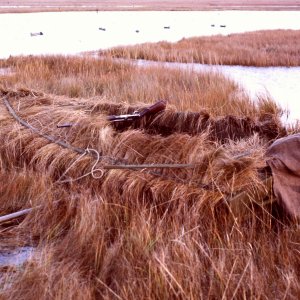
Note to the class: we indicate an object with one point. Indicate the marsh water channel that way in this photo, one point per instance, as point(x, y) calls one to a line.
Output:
point(15, 257)
point(279, 83)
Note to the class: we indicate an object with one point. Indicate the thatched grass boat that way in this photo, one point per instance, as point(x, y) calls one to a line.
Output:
point(91, 224)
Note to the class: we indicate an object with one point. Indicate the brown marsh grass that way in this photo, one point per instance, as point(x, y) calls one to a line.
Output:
point(128, 234)
point(122, 82)
point(259, 48)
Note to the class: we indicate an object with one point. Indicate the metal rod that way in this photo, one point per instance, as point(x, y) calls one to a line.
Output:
point(15, 215)
point(149, 166)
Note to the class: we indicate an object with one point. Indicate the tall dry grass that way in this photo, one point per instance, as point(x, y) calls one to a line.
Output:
point(128, 234)
point(136, 234)
point(122, 82)
point(259, 48)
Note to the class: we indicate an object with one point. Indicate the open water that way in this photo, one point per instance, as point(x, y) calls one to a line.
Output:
point(74, 32)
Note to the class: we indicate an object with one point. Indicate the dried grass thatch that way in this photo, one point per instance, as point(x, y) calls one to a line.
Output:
point(155, 233)
point(221, 128)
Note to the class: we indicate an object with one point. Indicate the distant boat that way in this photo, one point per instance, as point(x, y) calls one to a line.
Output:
point(167, 27)
point(36, 33)
point(223, 26)
point(102, 28)
point(137, 31)
point(212, 25)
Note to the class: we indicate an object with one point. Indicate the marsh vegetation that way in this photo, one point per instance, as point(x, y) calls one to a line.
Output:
point(260, 49)
point(135, 234)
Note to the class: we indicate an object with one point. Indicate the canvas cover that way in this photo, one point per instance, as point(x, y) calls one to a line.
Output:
point(283, 156)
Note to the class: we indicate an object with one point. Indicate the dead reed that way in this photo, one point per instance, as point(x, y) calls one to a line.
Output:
point(128, 234)
point(259, 48)
point(124, 83)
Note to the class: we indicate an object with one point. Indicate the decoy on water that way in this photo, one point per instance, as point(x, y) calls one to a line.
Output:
point(36, 33)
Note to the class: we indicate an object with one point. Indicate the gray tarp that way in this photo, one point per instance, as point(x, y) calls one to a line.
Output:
point(283, 156)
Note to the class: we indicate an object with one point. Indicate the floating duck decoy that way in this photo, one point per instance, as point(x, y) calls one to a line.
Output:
point(36, 33)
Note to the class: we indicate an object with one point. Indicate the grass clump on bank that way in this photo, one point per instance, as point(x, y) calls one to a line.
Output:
point(123, 82)
point(128, 234)
point(260, 49)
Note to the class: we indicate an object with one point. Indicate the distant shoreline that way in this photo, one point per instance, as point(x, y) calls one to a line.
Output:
point(143, 5)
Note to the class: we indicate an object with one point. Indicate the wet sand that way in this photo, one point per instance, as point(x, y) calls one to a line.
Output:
point(58, 5)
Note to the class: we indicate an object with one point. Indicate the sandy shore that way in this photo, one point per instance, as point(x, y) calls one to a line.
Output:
point(57, 5)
